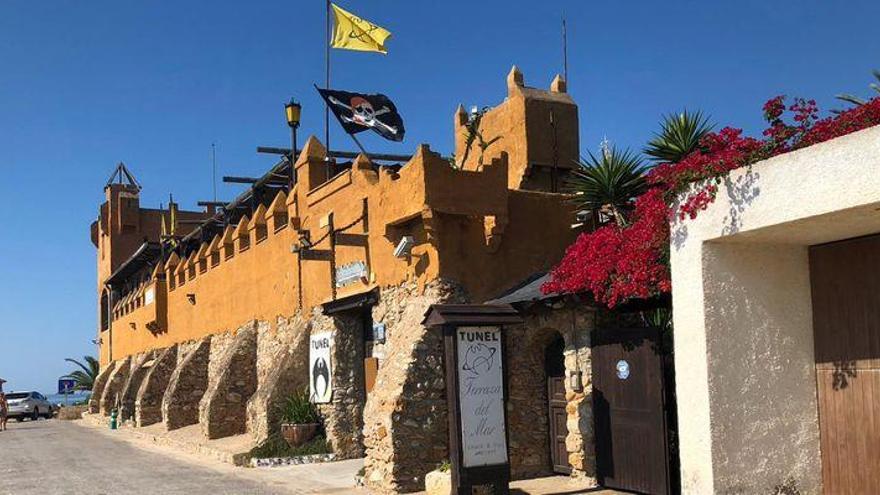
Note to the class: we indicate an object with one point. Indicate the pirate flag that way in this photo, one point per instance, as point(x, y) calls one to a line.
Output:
point(358, 112)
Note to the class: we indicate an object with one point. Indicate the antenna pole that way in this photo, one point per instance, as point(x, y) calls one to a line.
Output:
point(564, 50)
point(214, 170)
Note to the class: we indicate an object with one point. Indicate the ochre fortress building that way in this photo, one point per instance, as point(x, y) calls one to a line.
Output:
point(208, 326)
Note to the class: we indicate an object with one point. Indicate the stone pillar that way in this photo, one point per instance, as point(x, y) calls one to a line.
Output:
point(344, 416)
point(140, 365)
point(282, 369)
point(111, 397)
point(98, 388)
point(187, 385)
point(148, 404)
point(223, 409)
point(406, 432)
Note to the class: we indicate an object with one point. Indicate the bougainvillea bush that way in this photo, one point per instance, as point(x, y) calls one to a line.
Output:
point(617, 263)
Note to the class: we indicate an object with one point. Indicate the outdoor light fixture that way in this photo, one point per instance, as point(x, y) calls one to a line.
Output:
point(404, 247)
point(575, 381)
point(305, 240)
point(133, 325)
point(293, 110)
point(191, 298)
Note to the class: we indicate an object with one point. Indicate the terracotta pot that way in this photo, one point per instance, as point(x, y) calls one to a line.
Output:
point(297, 435)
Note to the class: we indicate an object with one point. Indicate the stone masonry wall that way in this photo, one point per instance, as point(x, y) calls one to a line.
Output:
point(406, 431)
point(232, 381)
point(343, 417)
point(180, 405)
point(148, 404)
point(140, 365)
point(528, 412)
point(282, 368)
point(111, 397)
point(98, 388)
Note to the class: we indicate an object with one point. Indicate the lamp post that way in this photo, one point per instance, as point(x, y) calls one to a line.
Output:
point(293, 110)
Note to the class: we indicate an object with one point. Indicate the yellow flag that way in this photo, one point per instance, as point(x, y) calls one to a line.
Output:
point(353, 33)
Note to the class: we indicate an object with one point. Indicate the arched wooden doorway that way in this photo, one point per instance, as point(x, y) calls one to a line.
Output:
point(554, 367)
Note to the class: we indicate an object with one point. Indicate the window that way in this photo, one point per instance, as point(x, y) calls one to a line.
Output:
point(105, 311)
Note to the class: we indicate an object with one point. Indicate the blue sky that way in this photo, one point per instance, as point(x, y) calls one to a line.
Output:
point(84, 85)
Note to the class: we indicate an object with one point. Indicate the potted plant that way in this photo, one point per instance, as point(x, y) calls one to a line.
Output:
point(299, 419)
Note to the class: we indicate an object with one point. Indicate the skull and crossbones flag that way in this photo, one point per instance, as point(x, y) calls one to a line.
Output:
point(358, 112)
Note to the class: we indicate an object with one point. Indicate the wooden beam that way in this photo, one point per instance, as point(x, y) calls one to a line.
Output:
point(239, 180)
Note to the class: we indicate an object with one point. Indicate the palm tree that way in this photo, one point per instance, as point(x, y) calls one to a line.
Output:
point(855, 100)
point(608, 183)
point(679, 136)
point(84, 378)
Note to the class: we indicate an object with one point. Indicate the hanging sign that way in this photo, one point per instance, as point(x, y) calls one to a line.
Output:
point(481, 396)
point(350, 273)
point(320, 388)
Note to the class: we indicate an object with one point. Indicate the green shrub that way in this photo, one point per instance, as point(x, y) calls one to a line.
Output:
point(298, 409)
point(276, 446)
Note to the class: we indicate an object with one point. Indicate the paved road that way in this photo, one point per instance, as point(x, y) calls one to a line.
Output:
point(59, 457)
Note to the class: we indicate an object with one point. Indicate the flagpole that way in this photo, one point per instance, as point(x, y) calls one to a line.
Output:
point(327, 78)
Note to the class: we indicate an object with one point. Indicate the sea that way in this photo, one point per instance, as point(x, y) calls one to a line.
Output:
point(76, 397)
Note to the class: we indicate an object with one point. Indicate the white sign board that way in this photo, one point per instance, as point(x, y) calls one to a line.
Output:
point(149, 296)
point(320, 389)
point(481, 396)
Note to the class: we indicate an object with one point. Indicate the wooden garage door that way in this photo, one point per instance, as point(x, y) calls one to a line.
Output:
point(845, 280)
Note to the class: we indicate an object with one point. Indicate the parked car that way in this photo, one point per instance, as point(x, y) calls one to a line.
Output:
point(31, 405)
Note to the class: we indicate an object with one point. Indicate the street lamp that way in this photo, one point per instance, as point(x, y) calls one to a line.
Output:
point(293, 110)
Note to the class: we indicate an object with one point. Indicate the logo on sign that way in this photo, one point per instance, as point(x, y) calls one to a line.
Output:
point(622, 369)
point(320, 372)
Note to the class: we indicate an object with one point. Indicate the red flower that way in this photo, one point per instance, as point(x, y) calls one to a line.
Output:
point(618, 263)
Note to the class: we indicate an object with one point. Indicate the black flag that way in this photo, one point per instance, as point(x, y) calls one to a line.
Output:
point(358, 112)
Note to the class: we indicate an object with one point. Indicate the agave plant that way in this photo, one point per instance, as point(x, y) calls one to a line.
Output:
point(606, 185)
point(855, 100)
point(84, 378)
point(679, 136)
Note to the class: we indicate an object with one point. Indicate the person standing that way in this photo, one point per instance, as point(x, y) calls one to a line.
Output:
point(4, 409)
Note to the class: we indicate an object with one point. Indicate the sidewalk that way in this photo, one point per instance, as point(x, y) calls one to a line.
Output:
point(329, 478)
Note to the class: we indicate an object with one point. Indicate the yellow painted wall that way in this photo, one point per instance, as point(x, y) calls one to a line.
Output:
point(468, 226)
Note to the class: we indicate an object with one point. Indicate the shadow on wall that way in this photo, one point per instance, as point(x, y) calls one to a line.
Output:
point(741, 193)
point(843, 372)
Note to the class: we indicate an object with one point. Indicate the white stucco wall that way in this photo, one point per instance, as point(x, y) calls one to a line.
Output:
point(743, 324)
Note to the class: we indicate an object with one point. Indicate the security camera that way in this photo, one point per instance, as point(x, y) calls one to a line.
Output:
point(404, 246)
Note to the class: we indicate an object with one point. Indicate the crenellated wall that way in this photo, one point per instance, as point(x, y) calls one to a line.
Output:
point(465, 224)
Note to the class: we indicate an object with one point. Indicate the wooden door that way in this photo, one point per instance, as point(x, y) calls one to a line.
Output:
point(628, 403)
point(845, 283)
point(558, 424)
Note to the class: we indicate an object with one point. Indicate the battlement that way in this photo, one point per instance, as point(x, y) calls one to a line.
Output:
point(280, 251)
point(537, 128)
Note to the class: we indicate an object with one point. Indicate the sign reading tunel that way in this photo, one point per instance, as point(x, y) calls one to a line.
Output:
point(481, 396)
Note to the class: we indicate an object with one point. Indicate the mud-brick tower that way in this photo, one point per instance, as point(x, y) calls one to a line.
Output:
point(121, 228)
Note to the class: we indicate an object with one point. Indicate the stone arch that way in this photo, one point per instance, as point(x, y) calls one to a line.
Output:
point(98, 388)
point(529, 439)
point(140, 365)
point(148, 404)
point(187, 385)
point(110, 398)
point(223, 409)
point(286, 371)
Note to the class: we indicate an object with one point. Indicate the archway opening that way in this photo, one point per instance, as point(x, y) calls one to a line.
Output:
point(554, 368)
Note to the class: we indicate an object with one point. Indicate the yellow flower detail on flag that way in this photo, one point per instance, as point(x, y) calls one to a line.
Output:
point(353, 33)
